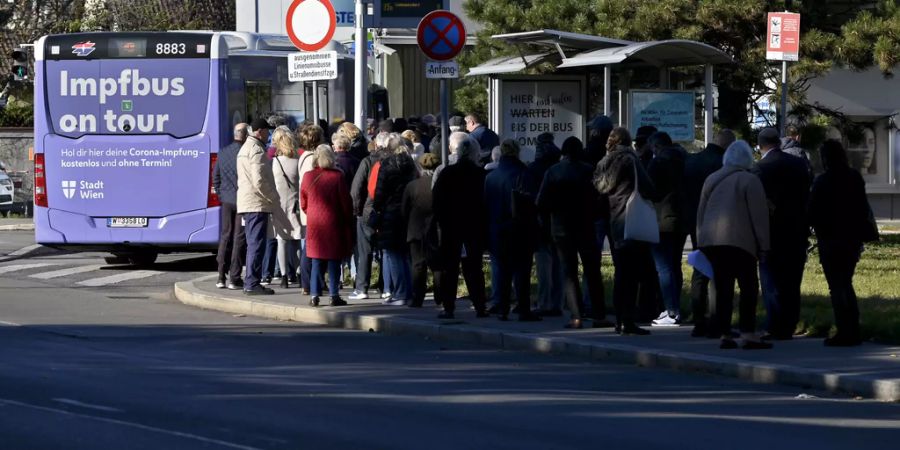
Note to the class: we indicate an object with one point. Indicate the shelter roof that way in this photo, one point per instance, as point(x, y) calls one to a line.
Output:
point(670, 53)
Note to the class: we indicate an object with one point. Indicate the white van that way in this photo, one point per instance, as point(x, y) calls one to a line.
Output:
point(6, 194)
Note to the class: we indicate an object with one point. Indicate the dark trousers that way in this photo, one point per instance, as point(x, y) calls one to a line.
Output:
point(319, 266)
point(473, 272)
point(255, 225)
point(306, 269)
point(569, 248)
point(513, 270)
point(730, 264)
point(364, 250)
point(420, 272)
point(232, 243)
point(601, 230)
point(649, 297)
point(839, 264)
point(702, 294)
point(270, 258)
point(784, 267)
point(629, 259)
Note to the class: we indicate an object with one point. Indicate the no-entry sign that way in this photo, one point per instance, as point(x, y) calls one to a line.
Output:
point(441, 35)
point(310, 24)
point(783, 37)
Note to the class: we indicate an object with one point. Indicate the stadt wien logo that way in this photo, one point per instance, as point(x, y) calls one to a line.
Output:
point(68, 188)
point(83, 48)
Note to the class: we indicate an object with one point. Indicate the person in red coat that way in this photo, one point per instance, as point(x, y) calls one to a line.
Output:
point(325, 199)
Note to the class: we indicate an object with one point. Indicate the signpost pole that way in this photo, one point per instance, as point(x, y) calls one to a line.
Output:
point(315, 89)
point(445, 123)
point(784, 94)
point(359, 90)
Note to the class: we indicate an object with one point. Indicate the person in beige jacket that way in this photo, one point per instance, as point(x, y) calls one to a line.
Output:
point(733, 233)
point(256, 199)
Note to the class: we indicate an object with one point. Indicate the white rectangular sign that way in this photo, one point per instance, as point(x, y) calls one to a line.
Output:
point(312, 66)
point(441, 69)
point(529, 108)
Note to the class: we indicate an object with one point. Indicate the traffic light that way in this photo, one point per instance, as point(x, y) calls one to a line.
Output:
point(19, 64)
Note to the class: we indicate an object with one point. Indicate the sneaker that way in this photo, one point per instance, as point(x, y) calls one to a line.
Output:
point(386, 296)
point(338, 301)
point(358, 295)
point(266, 281)
point(236, 285)
point(394, 302)
point(220, 283)
point(667, 321)
point(662, 315)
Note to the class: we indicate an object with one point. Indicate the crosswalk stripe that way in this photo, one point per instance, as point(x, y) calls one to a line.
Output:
point(65, 272)
point(113, 279)
point(18, 267)
point(25, 250)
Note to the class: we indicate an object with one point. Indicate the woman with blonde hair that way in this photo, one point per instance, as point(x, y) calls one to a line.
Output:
point(325, 199)
point(358, 144)
point(287, 217)
point(418, 149)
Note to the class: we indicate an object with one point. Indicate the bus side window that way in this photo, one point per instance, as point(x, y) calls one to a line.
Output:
point(259, 98)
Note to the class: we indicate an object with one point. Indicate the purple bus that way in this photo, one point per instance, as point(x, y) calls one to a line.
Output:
point(128, 125)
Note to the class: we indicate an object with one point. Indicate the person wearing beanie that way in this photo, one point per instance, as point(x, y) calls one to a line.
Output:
point(418, 213)
point(570, 201)
point(456, 124)
point(386, 126)
point(787, 182)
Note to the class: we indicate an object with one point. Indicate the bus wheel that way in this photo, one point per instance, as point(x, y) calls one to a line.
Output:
point(143, 259)
point(117, 258)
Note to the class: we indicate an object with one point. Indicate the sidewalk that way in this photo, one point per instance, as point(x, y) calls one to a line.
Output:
point(871, 370)
point(16, 224)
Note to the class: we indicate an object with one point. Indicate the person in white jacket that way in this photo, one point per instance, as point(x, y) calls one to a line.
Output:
point(256, 199)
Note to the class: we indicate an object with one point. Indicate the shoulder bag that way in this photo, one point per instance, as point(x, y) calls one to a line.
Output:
point(640, 216)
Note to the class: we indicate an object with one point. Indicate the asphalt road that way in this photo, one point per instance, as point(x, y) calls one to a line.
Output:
point(125, 366)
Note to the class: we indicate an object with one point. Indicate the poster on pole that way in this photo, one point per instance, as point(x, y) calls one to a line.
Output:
point(668, 111)
point(532, 106)
point(783, 37)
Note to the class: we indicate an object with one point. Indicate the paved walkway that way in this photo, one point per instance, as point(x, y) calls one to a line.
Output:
point(870, 370)
point(16, 224)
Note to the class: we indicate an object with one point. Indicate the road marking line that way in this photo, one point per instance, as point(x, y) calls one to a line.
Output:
point(11, 324)
point(66, 272)
point(25, 250)
point(130, 424)
point(118, 278)
point(86, 405)
point(17, 267)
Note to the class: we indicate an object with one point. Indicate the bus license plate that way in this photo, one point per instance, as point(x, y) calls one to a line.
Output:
point(127, 222)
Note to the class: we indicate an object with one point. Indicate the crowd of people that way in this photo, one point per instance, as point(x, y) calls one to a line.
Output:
point(311, 203)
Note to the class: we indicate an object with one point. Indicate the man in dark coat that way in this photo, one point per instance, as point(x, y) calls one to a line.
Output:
point(791, 145)
point(458, 197)
point(697, 168)
point(570, 200)
point(486, 137)
point(418, 211)
point(786, 180)
point(666, 170)
point(599, 129)
point(232, 243)
point(511, 217)
point(549, 270)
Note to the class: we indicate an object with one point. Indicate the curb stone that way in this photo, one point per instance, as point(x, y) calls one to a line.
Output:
point(764, 373)
point(18, 227)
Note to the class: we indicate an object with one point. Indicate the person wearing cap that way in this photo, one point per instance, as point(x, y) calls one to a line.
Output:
point(232, 243)
point(256, 199)
point(786, 180)
point(570, 201)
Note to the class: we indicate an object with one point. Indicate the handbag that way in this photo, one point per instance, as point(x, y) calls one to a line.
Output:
point(640, 216)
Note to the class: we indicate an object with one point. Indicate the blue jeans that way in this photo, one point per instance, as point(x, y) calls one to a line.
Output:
point(667, 256)
point(255, 225)
point(601, 231)
point(334, 274)
point(495, 282)
point(399, 271)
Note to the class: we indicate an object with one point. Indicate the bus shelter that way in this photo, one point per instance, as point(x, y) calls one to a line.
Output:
point(582, 75)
